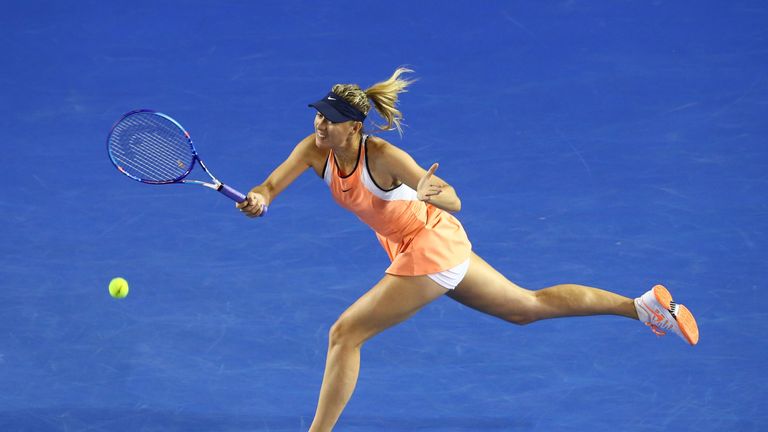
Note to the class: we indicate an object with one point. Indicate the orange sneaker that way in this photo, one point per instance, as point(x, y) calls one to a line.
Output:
point(659, 312)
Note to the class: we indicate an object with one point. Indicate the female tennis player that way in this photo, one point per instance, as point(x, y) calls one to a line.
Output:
point(410, 209)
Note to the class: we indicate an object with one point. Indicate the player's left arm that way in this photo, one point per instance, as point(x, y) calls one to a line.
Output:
point(429, 187)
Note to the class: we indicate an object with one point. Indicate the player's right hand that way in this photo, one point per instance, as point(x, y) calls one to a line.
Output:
point(255, 205)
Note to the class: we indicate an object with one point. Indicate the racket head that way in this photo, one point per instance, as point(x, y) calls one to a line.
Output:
point(151, 147)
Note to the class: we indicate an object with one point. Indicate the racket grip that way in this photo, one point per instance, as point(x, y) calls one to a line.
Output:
point(232, 193)
point(238, 196)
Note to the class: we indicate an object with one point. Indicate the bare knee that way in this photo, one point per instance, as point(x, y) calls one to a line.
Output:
point(343, 333)
point(520, 318)
point(522, 309)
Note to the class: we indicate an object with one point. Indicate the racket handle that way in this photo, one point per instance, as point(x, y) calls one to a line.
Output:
point(238, 196)
point(232, 193)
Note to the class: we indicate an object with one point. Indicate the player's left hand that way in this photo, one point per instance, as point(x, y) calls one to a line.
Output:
point(428, 187)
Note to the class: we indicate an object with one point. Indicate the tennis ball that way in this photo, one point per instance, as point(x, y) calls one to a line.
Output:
point(118, 287)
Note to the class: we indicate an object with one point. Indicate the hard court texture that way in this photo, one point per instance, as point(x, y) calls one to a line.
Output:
point(613, 144)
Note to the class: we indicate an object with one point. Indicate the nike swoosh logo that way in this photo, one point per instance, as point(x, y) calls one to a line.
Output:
point(654, 312)
point(330, 98)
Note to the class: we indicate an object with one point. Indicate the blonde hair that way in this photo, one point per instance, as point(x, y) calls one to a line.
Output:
point(383, 95)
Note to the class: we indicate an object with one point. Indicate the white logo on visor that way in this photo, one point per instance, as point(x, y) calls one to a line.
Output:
point(330, 98)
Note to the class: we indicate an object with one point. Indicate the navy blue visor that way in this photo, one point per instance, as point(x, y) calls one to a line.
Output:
point(336, 109)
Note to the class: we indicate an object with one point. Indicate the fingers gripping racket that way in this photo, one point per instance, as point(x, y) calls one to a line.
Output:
point(153, 148)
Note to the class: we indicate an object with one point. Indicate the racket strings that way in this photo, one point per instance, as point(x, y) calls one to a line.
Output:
point(149, 158)
point(152, 148)
point(152, 155)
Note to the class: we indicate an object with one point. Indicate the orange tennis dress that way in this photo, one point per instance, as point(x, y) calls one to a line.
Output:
point(419, 238)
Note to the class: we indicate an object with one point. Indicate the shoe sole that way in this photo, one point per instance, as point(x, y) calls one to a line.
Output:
point(684, 317)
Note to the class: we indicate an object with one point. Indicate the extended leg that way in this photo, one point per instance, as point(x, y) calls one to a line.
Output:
point(487, 290)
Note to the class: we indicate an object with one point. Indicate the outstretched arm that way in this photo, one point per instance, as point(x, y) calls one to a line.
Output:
point(298, 161)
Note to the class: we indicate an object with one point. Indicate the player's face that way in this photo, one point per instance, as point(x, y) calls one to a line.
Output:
point(329, 134)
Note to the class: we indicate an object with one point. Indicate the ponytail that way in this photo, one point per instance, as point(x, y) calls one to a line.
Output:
point(384, 98)
point(383, 95)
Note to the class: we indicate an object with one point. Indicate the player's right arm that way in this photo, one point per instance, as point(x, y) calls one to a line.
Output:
point(303, 156)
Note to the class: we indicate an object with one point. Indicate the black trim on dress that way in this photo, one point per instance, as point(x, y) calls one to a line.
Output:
point(371, 175)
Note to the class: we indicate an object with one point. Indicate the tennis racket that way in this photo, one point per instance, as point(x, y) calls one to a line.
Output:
point(153, 148)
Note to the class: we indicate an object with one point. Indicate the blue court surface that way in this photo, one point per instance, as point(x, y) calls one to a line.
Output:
point(617, 144)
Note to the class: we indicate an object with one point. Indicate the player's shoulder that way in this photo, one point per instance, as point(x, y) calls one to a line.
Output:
point(307, 142)
point(381, 148)
point(307, 146)
point(385, 157)
point(307, 151)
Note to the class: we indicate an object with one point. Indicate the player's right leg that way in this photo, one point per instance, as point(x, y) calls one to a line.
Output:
point(393, 300)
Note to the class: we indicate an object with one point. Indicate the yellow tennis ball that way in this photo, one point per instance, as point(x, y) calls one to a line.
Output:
point(118, 287)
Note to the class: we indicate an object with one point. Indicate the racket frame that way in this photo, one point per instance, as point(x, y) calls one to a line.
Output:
point(215, 185)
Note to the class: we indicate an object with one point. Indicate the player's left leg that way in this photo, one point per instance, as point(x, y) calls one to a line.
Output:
point(487, 290)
